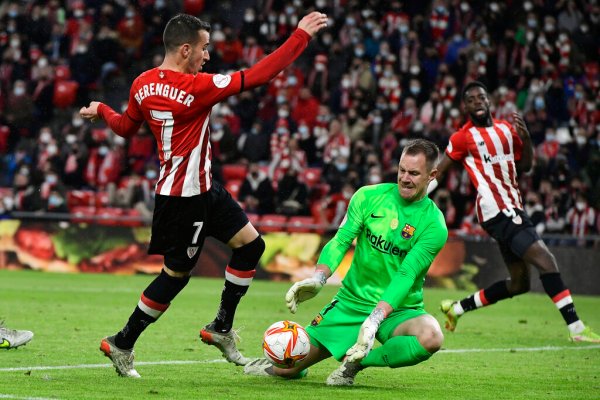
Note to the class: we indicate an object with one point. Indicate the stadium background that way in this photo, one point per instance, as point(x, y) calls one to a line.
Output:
point(384, 72)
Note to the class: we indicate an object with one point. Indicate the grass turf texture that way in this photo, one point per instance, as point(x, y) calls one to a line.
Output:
point(69, 314)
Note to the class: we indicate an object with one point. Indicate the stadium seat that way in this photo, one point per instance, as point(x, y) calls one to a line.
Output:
point(131, 217)
point(311, 176)
point(234, 171)
point(78, 198)
point(272, 223)
point(83, 214)
point(62, 73)
point(253, 218)
point(101, 199)
point(4, 135)
point(233, 187)
point(110, 216)
point(65, 93)
point(193, 7)
point(301, 224)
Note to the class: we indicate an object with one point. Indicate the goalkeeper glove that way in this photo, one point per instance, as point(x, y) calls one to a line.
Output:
point(304, 290)
point(366, 336)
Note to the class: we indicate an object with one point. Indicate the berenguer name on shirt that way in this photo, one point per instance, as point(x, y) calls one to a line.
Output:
point(168, 91)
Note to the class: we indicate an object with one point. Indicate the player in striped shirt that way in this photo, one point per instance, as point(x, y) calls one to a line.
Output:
point(493, 152)
point(176, 99)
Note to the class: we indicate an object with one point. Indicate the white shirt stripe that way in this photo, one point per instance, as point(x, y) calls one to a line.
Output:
point(166, 187)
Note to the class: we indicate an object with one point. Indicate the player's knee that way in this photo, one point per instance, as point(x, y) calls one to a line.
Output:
point(246, 257)
point(431, 339)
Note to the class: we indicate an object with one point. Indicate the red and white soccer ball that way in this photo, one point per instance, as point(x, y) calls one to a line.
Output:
point(285, 343)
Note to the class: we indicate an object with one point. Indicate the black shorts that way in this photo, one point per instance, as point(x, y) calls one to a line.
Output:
point(180, 225)
point(514, 233)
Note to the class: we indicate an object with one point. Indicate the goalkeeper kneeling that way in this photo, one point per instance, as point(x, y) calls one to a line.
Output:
point(398, 232)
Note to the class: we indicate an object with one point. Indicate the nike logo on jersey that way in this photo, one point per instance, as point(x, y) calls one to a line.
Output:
point(376, 216)
point(5, 344)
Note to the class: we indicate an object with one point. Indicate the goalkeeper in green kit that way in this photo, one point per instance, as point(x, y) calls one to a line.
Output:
point(399, 231)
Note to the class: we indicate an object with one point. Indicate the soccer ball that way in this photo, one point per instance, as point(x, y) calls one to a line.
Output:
point(285, 343)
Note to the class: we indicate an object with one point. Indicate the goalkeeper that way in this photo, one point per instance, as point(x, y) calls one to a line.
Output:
point(399, 231)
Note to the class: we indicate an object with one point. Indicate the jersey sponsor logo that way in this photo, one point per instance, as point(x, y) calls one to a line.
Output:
point(497, 158)
point(408, 231)
point(221, 81)
point(384, 245)
point(376, 216)
point(191, 251)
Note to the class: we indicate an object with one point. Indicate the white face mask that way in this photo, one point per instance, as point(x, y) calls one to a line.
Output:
point(19, 91)
point(70, 139)
point(580, 205)
point(45, 137)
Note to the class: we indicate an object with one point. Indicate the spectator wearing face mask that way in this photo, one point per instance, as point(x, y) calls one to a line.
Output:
point(256, 191)
point(56, 201)
point(333, 207)
point(19, 109)
point(535, 210)
point(581, 219)
point(25, 195)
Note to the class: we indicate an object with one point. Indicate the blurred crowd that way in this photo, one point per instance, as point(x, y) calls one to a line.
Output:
point(384, 72)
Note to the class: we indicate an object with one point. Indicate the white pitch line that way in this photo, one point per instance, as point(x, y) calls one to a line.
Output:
point(175, 362)
point(83, 366)
point(518, 349)
point(10, 396)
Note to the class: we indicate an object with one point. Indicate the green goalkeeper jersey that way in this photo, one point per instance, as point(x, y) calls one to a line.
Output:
point(396, 242)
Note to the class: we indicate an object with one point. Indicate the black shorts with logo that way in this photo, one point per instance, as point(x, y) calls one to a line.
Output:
point(181, 224)
point(514, 232)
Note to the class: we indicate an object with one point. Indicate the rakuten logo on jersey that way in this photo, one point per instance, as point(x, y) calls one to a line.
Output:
point(383, 245)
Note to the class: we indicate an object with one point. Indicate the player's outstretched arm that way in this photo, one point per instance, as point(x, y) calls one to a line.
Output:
point(307, 288)
point(443, 166)
point(267, 68)
point(122, 126)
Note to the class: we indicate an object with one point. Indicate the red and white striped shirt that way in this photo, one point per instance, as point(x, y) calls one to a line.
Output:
point(177, 108)
point(489, 155)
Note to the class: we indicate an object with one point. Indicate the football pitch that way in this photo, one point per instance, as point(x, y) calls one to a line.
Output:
point(517, 349)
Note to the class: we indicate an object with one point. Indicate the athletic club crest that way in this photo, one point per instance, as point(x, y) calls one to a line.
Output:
point(191, 251)
point(408, 231)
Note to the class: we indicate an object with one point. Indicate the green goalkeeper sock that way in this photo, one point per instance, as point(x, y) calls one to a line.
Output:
point(399, 351)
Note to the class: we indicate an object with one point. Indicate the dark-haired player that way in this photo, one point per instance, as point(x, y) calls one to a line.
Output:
point(494, 152)
point(175, 99)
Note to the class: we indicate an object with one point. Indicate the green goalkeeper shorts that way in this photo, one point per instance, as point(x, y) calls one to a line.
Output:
point(337, 325)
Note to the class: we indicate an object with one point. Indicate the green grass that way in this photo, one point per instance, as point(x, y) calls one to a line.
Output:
point(69, 314)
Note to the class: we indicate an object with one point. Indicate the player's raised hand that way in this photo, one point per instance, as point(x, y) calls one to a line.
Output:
point(304, 290)
point(520, 125)
point(90, 112)
point(313, 22)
